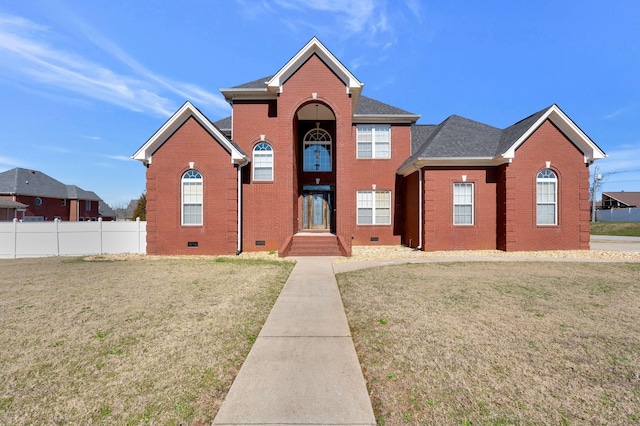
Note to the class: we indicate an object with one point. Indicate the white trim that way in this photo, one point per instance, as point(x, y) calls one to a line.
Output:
point(187, 110)
point(553, 180)
point(383, 118)
point(590, 150)
point(255, 163)
point(373, 208)
point(199, 180)
point(353, 86)
point(373, 141)
point(473, 204)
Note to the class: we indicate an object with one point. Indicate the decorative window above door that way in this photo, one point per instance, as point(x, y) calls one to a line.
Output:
point(317, 151)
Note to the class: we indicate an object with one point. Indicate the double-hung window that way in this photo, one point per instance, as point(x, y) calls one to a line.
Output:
point(374, 141)
point(263, 162)
point(374, 207)
point(547, 198)
point(463, 203)
point(192, 198)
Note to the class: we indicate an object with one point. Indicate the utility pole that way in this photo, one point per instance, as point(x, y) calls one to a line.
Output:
point(594, 190)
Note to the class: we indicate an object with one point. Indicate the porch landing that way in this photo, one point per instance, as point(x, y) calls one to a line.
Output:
point(310, 243)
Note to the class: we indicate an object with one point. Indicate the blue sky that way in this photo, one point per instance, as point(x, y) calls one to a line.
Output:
point(83, 84)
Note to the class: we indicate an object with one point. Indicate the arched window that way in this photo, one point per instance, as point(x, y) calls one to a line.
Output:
point(317, 151)
point(192, 198)
point(547, 198)
point(263, 162)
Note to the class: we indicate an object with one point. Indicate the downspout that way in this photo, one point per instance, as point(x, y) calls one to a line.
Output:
point(420, 209)
point(239, 248)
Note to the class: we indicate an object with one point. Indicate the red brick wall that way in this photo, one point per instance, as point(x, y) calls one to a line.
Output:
point(521, 231)
point(439, 231)
point(381, 172)
point(411, 208)
point(165, 233)
point(50, 208)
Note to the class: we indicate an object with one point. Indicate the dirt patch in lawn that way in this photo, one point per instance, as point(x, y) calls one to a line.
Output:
point(498, 343)
point(135, 340)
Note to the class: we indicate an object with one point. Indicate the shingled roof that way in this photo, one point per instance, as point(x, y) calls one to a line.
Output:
point(458, 140)
point(21, 181)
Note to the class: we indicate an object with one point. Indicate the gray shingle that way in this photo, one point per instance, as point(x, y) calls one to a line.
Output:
point(31, 182)
point(512, 133)
point(369, 106)
point(255, 84)
point(420, 133)
point(460, 137)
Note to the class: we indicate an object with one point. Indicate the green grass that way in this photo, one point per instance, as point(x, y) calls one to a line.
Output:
point(621, 229)
point(498, 343)
point(147, 340)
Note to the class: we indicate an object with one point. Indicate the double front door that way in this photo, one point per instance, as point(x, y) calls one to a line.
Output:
point(317, 210)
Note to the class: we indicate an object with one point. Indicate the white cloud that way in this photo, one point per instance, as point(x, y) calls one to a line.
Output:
point(367, 20)
point(28, 55)
point(9, 163)
point(120, 157)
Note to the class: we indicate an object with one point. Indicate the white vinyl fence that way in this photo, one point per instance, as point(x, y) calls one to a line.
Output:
point(618, 215)
point(41, 239)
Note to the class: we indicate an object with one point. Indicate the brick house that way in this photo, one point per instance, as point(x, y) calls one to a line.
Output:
point(308, 165)
point(45, 198)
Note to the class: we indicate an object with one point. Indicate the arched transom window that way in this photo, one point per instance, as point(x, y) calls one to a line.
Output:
point(317, 151)
point(547, 198)
point(263, 162)
point(192, 198)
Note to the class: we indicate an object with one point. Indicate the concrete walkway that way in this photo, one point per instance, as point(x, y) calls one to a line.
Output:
point(303, 368)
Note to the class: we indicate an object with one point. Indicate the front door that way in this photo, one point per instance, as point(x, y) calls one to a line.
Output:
point(317, 210)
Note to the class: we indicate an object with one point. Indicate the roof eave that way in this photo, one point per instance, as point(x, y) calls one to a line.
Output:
point(230, 94)
point(187, 110)
point(421, 162)
point(353, 86)
point(589, 148)
point(385, 118)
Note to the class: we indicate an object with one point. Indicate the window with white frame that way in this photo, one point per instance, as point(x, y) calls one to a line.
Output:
point(374, 207)
point(317, 151)
point(463, 203)
point(263, 162)
point(374, 141)
point(192, 198)
point(547, 198)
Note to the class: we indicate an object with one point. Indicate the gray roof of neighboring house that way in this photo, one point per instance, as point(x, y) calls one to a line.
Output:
point(5, 203)
point(628, 198)
point(104, 210)
point(21, 181)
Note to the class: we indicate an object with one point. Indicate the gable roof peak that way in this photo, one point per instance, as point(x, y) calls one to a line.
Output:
point(186, 111)
point(315, 47)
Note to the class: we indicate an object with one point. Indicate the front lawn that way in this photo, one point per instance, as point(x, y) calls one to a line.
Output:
point(498, 342)
point(139, 341)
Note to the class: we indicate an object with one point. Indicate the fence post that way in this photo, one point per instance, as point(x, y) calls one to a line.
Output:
point(138, 232)
point(100, 232)
point(15, 238)
point(57, 221)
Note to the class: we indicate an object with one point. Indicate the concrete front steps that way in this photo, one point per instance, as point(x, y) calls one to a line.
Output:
point(314, 244)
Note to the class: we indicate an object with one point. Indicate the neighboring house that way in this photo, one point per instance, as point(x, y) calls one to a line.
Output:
point(614, 200)
point(10, 210)
point(308, 165)
point(45, 198)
